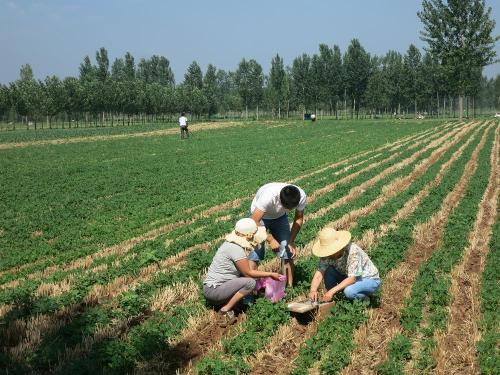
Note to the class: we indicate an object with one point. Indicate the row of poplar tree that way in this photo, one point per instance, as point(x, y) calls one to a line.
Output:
point(329, 81)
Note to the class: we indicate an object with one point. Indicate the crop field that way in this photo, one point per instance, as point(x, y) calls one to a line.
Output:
point(105, 236)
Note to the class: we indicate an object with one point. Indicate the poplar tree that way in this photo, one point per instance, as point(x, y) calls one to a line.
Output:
point(459, 36)
point(357, 72)
point(412, 66)
point(210, 89)
point(276, 81)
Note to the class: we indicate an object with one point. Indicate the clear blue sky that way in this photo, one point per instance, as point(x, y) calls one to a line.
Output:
point(54, 36)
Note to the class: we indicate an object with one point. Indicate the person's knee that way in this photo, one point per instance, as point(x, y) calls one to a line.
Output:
point(350, 292)
point(249, 284)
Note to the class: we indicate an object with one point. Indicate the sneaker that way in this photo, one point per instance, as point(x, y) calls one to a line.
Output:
point(248, 300)
point(226, 318)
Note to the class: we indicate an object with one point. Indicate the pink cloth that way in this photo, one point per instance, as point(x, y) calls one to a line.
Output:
point(274, 290)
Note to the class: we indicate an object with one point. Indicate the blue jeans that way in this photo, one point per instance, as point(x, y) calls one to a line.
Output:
point(280, 229)
point(362, 288)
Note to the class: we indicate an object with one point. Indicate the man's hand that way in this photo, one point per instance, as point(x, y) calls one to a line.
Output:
point(293, 250)
point(328, 296)
point(313, 295)
point(275, 245)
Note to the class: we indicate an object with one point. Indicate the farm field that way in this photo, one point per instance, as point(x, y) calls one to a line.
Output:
point(105, 237)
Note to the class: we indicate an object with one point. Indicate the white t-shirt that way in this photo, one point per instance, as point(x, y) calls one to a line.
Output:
point(183, 121)
point(267, 200)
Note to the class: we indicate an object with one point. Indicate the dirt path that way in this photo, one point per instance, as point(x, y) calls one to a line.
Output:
point(456, 352)
point(371, 338)
point(95, 138)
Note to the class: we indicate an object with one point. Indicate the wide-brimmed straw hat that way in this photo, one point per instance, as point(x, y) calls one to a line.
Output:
point(330, 241)
point(245, 228)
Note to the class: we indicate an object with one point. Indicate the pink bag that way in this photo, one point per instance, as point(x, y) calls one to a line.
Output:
point(274, 290)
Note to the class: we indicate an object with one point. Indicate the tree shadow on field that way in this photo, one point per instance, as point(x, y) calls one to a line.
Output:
point(35, 347)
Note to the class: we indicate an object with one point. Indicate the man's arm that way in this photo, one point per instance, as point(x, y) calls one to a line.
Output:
point(316, 281)
point(298, 220)
point(327, 297)
point(257, 216)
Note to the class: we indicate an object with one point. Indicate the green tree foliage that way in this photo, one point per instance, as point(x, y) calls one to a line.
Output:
point(5, 103)
point(393, 62)
point(52, 98)
point(459, 35)
point(26, 94)
point(210, 90)
point(357, 73)
point(276, 82)
point(413, 75)
point(87, 70)
point(102, 70)
point(301, 80)
point(378, 91)
point(154, 70)
point(193, 77)
point(249, 80)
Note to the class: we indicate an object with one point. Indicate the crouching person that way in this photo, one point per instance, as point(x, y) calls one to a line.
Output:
point(229, 278)
point(343, 266)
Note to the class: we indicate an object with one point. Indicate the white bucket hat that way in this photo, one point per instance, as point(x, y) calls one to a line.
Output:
point(247, 234)
point(330, 241)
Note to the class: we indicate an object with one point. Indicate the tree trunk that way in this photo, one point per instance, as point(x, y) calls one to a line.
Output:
point(461, 106)
point(257, 112)
point(437, 96)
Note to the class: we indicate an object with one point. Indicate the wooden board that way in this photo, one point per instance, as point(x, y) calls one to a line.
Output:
point(308, 305)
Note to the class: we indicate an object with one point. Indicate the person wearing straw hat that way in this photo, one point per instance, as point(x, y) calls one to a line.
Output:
point(270, 208)
point(229, 278)
point(343, 266)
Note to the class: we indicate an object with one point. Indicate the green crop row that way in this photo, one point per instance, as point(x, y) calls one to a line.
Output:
point(487, 347)
point(431, 286)
point(388, 252)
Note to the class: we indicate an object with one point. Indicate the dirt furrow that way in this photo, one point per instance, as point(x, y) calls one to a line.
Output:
point(371, 339)
point(95, 138)
point(456, 351)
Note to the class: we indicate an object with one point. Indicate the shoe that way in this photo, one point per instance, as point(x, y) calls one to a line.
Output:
point(248, 300)
point(226, 318)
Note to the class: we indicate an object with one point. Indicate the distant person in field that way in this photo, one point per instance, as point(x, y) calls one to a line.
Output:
point(270, 208)
point(183, 124)
point(229, 278)
point(344, 266)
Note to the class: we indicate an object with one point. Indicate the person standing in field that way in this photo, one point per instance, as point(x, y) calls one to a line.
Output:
point(183, 124)
point(229, 278)
point(344, 266)
point(270, 208)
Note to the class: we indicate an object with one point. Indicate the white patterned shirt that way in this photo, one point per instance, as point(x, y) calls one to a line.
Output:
point(353, 263)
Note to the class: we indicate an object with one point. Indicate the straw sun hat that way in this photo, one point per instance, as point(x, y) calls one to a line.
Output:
point(247, 234)
point(330, 241)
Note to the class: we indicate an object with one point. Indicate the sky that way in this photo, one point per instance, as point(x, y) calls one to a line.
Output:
point(54, 36)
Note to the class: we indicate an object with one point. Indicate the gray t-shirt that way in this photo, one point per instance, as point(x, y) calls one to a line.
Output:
point(223, 267)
